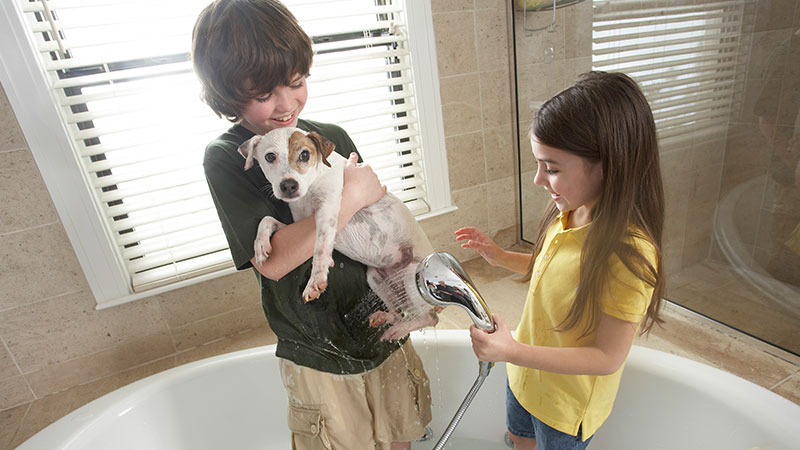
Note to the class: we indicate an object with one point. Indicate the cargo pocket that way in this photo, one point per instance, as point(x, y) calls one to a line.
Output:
point(308, 429)
point(422, 393)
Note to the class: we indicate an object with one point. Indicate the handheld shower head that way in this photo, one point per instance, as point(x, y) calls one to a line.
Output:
point(443, 282)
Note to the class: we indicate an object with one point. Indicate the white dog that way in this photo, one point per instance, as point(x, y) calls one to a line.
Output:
point(306, 172)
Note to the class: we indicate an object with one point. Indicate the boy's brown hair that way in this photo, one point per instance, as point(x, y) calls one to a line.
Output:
point(242, 49)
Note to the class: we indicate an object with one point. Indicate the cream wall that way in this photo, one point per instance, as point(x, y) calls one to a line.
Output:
point(57, 352)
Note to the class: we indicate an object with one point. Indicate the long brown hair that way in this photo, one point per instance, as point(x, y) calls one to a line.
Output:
point(605, 118)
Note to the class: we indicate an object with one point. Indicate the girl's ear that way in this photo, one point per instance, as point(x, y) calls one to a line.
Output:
point(324, 146)
point(247, 150)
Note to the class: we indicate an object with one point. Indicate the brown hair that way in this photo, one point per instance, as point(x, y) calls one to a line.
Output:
point(605, 118)
point(245, 48)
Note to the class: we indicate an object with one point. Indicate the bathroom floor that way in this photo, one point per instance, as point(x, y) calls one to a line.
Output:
point(685, 333)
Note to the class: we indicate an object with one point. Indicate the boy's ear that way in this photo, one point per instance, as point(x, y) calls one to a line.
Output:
point(324, 146)
point(247, 150)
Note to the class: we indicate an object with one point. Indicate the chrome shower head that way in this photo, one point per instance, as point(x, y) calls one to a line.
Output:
point(443, 282)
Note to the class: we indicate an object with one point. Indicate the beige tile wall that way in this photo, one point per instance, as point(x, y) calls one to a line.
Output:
point(57, 352)
point(547, 62)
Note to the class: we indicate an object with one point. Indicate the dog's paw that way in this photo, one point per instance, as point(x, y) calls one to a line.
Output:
point(318, 280)
point(314, 289)
point(379, 318)
point(262, 245)
point(406, 325)
point(432, 318)
point(397, 332)
point(262, 248)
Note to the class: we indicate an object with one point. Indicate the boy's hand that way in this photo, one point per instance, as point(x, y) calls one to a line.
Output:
point(361, 186)
point(481, 243)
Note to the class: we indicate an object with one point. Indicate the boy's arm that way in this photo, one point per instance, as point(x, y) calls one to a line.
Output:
point(293, 244)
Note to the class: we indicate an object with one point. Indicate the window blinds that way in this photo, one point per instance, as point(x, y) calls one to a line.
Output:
point(683, 54)
point(121, 75)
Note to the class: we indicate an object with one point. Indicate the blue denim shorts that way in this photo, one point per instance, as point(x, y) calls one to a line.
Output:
point(522, 423)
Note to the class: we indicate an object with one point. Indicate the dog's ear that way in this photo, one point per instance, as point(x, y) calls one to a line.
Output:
point(247, 150)
point(324, 146)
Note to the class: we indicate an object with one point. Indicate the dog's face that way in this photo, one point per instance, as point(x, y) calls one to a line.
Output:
point(290, 159)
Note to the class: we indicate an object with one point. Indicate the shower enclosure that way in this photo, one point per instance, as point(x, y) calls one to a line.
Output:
point(723, 80)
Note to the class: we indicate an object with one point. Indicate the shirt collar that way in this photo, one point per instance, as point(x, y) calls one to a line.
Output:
point(563, 218)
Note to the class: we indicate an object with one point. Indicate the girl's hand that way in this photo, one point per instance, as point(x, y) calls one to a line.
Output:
point(493, 347)
point(361, 185)
point(481, 243)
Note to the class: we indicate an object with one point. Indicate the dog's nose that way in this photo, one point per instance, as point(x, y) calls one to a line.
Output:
point(289, 186)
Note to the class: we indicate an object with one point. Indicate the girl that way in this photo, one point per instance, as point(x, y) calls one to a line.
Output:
point(595, 274)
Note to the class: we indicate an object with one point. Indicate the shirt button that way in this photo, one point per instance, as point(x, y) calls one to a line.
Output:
point(546, 257)
point(313, 428)
point(416, 372)
point(538, 273)
point(555, 242)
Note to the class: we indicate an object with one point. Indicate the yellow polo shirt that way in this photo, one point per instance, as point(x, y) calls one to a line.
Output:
point(565, 402)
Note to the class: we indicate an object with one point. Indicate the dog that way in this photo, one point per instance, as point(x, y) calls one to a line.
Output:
point(306, 172)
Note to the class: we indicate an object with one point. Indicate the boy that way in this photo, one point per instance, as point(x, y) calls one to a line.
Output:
point(347, 389)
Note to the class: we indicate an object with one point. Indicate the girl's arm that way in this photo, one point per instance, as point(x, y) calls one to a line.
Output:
point(293, 244)
point(604, 357)
point(491, 252)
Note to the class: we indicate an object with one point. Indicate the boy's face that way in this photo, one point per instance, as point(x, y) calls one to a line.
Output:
point(276, 109)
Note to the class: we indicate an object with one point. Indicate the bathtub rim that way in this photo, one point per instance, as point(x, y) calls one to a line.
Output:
point(731, 389)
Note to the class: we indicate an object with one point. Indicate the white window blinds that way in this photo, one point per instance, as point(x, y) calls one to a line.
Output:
point(683, 54)
point(120, 74)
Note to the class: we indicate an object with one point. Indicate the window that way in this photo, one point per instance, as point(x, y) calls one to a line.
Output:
point(106, 97)
point(683, 54)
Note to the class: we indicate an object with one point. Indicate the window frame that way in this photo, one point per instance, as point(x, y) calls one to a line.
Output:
point(31, 99)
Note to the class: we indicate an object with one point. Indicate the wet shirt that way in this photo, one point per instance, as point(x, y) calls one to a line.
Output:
point(572, 402)
point(331, 333)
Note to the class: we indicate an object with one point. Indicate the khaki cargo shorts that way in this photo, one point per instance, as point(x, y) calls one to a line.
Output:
point(391, 402)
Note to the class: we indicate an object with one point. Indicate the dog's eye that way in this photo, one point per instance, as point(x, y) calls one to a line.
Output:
point(305, 155)
point(270, 157)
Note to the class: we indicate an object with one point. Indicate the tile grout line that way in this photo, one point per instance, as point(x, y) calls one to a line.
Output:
point(25, 305)
point(16, 149)
point(783, 381)
point(24, 378)
point(35, 227)
point(21, 422)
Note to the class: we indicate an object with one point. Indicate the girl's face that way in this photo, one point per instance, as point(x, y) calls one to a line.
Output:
point(574, 183)
point(276, 109)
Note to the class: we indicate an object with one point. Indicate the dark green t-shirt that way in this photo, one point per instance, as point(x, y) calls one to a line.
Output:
point(330, 334)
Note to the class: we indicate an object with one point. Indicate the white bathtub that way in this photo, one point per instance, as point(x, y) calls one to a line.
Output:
point(236, 402)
